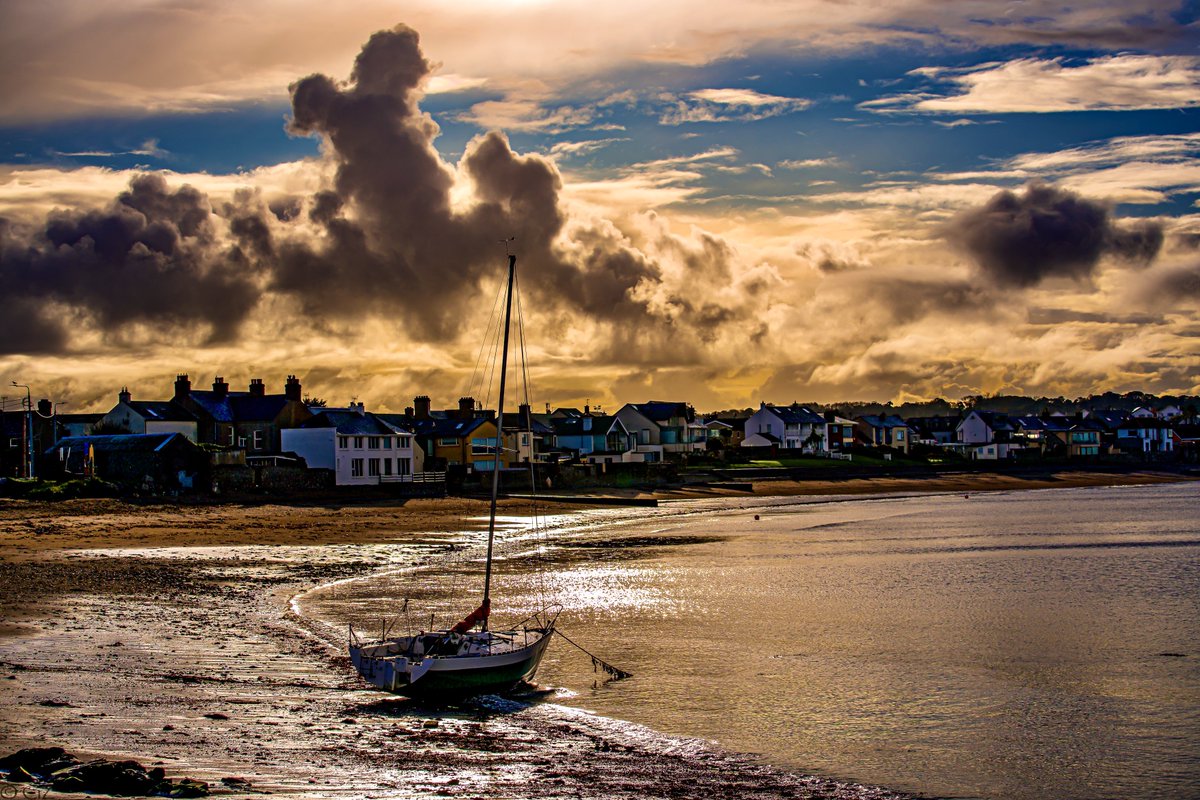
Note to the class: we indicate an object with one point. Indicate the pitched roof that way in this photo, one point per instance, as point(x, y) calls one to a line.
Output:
point(797, 415)
point(126, 442)
point(575, 426)
point(239, 406)
point(349, 423)
point(937, 423)
point(215, 405)
point(883, 421)
point(661, 411)
point(1110, 418)
point(448, 427)
point(249, 408)
point(162, 410)
point(996, 420)
point(400, 423)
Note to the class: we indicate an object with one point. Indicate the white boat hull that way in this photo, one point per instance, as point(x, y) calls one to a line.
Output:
point(439, 664)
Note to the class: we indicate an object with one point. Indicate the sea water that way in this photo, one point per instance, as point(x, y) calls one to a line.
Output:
point(1031, 644)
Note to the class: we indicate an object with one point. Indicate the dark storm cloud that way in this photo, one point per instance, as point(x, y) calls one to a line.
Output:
point(1044, 232)
point(391, 236)
point(383, 238)
point(1058, 316)
point(148, 257)
point(1181, 283)
point(26, 327)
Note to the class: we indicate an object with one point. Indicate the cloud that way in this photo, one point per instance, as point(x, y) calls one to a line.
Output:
point(570, 149)
point(390, 232)
point(1110, 83)
point(150, 256)
point(727, 105)
point(71, 59)
point(808, 163)
point(1021, 240)
point(1118, 150)
point(147, 148)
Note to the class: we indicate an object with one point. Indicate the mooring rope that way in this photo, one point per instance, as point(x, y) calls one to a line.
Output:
point(597, 662)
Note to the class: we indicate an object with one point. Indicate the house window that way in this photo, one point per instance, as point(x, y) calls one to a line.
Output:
point(229, 438)
point(387, 466)
point(525, 440)
point(373, 467)
point(644, 436)
point(356, 468)
point(372, 442)
point(358, 442)
point(403, 443)
point(448, 441)
point(387, 443)
point(899, 436)
point(483, 446)
point(242, 442)
point(258, 440)
point(403, 466)
point(343, 442)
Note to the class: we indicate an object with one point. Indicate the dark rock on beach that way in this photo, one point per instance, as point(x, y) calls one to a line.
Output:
point(54, 768)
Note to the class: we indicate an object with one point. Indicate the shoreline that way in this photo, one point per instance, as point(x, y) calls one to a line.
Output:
point(165, 634)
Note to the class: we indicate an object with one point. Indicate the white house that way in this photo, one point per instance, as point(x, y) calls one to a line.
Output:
point(1145, 435)
point(984, 427)
point(360, 448)
point(791, 427)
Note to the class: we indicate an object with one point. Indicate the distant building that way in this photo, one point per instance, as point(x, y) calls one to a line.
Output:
point(883, 430)
point(357, 445)
point(149, 462)
point(662, 427)
point(251, 420)
point(791, 427)
point(149, 416)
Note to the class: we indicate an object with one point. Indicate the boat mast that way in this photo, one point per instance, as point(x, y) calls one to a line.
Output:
point(498, 451)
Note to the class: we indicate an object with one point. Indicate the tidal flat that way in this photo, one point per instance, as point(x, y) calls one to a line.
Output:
point(170, 635)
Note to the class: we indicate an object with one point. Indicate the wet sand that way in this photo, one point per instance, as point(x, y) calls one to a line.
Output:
point(163, 633)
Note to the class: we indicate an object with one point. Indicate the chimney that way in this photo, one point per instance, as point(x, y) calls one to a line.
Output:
point(124, 396)
point(45, 408)
point(466, 407)
point(256, 388)
point(525, 416)
point(183, 386)
point(292, 389)
point(587, 410)
point(421, 407)
point(829, 416)
point(220, 387)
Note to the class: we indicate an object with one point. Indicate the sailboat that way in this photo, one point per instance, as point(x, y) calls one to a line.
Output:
point(469, 658)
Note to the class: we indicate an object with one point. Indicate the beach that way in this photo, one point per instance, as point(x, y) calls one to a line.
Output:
point(166, 634)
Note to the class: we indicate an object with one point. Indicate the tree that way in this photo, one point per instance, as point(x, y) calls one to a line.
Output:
point(314, 402)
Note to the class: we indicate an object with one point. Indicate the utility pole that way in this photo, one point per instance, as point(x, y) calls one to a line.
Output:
point(28, 432)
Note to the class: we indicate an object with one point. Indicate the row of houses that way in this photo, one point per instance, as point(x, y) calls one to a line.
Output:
point(359, 447)
point(975, 434)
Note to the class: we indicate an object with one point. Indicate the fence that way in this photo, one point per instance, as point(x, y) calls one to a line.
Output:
point(420, 477)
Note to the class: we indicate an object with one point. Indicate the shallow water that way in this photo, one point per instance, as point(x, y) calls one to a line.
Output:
point(1040, 644)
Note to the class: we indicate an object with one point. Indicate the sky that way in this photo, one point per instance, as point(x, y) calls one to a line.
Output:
point(720, 203)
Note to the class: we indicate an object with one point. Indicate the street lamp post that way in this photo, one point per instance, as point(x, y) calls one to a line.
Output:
point(28, 429)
